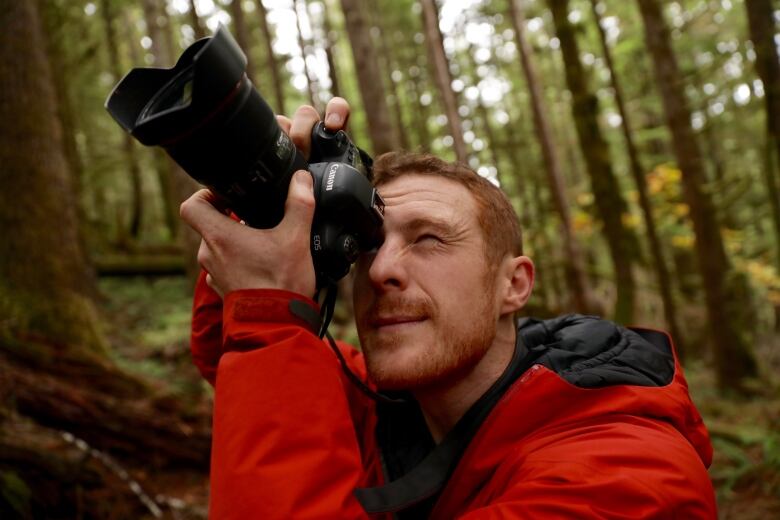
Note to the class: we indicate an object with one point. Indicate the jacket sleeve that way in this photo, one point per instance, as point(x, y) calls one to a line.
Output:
point(206, 332)
point(284, 441)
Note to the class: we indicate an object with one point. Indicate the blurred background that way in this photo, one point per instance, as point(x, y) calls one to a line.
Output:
point(638, 140)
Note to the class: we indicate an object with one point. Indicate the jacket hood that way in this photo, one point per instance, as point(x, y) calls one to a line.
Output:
point(636, 369)
point(575, 386)
point(585, 370)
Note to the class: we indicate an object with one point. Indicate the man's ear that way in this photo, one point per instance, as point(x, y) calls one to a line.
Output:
point(519, 282)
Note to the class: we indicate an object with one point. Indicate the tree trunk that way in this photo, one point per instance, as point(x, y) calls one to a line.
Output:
point(762, 27)
point(162, 53)
point(575, 265)
point(52, 19)
point(43, 272)
point(380, 129)
point(242, 36)
point(302, 45)
point(377, 19)
point(420, 112)
point(604, 184)
point(725, 290)
point(175, 185)
point(330, 43)
point(657, 248)
point(163, 165)
point(272, 64)
point(438, 57)
point(131, 158)
point(197, 25)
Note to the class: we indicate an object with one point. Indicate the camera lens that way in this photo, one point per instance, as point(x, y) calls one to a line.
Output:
point(176, 94)
point(214, 124)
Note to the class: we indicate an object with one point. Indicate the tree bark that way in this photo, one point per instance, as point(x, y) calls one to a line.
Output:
point(242, 36)
point(130, 155)
point(438, 57)
point(330, 43)
point(657, 248)
point(380, 129)
point(272, 64)
point(388, 66)
point(44, 275)
point(175, 185)
point(725, 290)
point(197, 25)
point(608, 200)
point(762, 27)
point(302, 45)
point(53, 18)
point(582, 297)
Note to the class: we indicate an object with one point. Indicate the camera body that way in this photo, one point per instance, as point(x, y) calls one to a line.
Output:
point(349, 211)
point(211, 120)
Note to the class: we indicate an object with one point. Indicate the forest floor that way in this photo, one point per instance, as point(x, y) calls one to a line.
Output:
point(149, 326)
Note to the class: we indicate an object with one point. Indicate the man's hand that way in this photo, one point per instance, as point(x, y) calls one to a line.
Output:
point(300, 127)
point(236, 256)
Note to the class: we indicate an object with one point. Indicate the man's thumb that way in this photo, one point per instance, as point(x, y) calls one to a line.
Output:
point(299, 207)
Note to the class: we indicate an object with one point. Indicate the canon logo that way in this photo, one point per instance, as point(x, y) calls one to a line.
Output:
point(331, 176)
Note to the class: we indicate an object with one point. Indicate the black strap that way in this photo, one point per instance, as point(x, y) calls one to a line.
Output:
point(431, 475)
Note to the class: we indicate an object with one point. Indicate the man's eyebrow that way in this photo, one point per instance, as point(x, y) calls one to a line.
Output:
point(418, 223)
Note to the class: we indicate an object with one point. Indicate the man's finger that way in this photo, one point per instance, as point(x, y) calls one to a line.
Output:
point(302, 124)
point(284, 122)
point(299, 207)
point(337, 114)
point(201, 212)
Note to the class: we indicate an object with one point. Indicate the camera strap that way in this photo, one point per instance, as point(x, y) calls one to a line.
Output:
point(328, 307)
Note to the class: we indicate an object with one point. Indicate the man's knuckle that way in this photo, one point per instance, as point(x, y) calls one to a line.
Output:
point(306, 111)
point(185, 208)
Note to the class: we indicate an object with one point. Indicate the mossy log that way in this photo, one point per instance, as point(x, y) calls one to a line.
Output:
point(110, 410)
point(140, 264)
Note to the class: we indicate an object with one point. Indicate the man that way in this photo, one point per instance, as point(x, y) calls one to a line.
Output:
point(570, 418)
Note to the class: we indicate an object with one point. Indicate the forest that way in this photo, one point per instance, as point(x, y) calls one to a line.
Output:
point(639, 142)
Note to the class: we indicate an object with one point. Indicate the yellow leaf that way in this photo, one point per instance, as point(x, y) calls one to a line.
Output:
point(683, 241)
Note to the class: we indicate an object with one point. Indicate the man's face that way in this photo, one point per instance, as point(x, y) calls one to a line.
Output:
point(425, 302)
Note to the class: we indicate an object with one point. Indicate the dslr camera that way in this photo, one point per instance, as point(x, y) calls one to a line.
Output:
point(210, 119)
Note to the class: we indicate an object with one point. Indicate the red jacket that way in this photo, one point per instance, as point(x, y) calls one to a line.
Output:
point(293, 438)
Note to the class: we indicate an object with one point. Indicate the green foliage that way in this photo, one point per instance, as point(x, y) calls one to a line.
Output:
point(15, 496)
point(150, 327)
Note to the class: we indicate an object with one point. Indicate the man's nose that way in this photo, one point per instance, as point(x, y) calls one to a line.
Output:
point(388, 269)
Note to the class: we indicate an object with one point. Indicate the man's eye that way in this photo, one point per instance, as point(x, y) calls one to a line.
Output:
point(428, 238)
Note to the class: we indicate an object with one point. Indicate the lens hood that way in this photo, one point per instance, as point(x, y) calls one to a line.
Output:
point(217, 66)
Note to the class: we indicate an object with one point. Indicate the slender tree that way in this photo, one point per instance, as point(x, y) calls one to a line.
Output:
point(272, 65)
point(195, 22)
point(388, 67)
point(312, 89)
point(175, 184)
point(575, 266)
point(725, 292)
point(438, 57)
point(657, 249)
point(609, 201)
point(760, 14)
point(129, 147)
point(44, 278)
point(380, 128)
point(242, 36)
point(330, 45)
